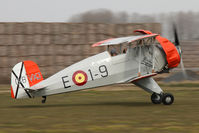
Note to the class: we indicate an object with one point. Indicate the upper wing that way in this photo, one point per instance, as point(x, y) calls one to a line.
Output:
point(115, 41)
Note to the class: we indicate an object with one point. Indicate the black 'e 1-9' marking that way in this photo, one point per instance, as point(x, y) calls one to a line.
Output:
point(65, 81)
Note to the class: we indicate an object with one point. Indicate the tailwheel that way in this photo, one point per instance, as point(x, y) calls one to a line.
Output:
point(44, 99)
point(167, 99)
point(156, 98)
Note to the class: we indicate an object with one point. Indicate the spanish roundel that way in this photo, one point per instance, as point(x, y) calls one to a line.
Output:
point(80, 78)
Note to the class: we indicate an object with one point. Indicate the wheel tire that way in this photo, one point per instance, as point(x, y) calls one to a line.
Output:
point(156, 98)
point(167, 99)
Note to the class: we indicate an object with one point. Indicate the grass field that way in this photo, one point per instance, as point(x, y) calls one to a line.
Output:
point(95, 111)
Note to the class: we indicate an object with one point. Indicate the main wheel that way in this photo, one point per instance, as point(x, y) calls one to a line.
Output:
point(167, 99)
point(156, 98)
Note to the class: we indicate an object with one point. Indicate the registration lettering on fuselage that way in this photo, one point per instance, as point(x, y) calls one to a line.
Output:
point(81, 77)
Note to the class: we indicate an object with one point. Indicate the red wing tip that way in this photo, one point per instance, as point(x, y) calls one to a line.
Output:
point(138, 30)
point(94, 45)
point(148, 35)
point(143, 31)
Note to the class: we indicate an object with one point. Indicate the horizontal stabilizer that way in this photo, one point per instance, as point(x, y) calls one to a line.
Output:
point(34, 89)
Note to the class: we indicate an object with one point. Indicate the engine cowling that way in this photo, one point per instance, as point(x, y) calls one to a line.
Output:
point(171, 52)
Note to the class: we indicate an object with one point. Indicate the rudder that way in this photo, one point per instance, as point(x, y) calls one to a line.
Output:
point(24, 75)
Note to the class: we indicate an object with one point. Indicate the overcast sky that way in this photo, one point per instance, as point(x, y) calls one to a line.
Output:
point(61, 10)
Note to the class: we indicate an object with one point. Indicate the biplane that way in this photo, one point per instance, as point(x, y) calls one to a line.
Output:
point(138, 59)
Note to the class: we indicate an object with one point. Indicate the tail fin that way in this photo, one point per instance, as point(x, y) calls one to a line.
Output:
point(24, 75)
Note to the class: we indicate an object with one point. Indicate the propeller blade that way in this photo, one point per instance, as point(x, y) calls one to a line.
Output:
point(177, 42)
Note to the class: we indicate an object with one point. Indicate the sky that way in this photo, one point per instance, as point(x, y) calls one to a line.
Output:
point(62, 10)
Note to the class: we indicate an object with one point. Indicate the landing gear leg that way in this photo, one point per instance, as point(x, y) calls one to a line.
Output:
point(157, 97)
point(44, 99)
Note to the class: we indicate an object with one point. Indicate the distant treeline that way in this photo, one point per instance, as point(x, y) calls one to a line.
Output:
point(187, 22)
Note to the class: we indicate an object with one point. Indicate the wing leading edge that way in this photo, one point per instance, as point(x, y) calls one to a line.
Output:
point(129, 39)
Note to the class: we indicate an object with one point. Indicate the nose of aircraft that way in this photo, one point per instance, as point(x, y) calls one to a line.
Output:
point(171, 52)
point(176, 38)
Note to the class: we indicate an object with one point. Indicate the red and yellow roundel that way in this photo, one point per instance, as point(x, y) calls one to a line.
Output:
point(80, 78)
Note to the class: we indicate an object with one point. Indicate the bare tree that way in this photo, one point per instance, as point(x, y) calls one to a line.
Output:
point(94, 16)
point(187, 22)
point(140, 18)
point(121, 17)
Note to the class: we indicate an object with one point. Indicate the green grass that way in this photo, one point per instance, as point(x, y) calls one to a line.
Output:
point(128, 111)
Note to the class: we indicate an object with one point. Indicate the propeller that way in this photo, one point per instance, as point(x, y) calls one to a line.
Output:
point(177, 44)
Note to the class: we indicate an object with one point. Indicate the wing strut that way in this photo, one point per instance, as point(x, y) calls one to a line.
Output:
point(139, 66)
point(153, 58)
